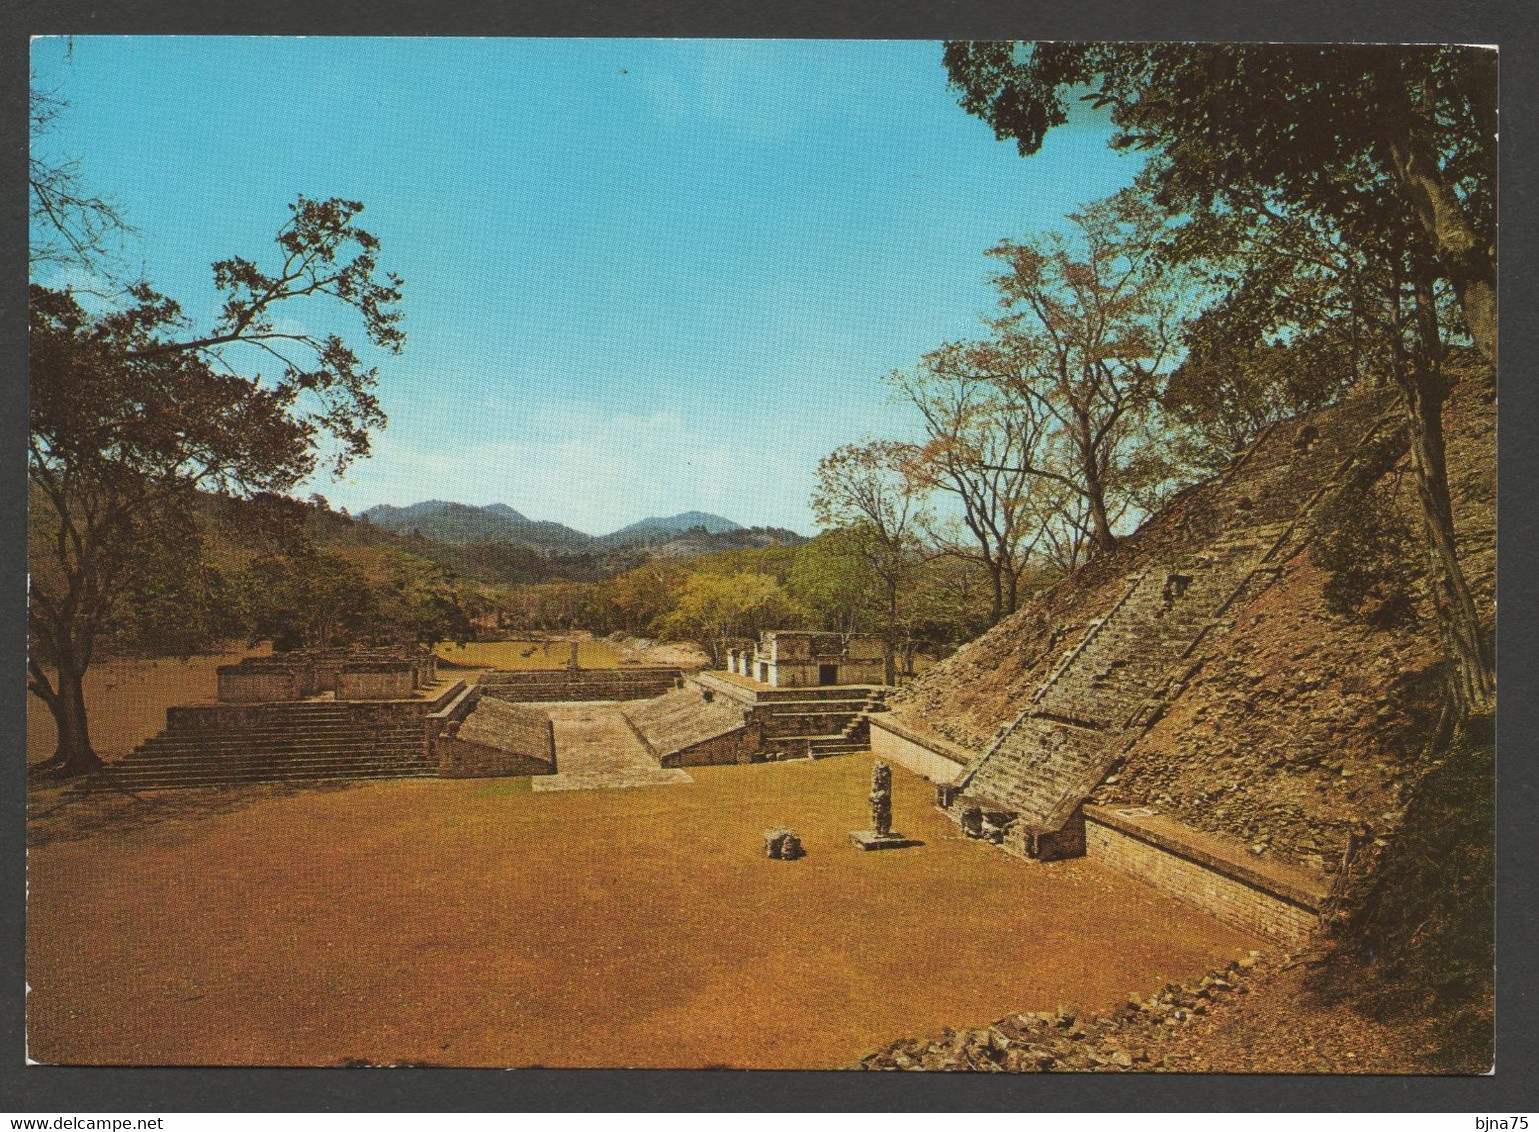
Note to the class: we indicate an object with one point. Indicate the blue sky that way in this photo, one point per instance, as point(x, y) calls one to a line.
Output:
point(642, 276)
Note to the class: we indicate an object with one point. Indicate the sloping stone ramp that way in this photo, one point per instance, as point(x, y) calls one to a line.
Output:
point(1116, 681)
point(596, 749)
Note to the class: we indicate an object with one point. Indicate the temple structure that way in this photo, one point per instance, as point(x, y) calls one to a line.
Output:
point(785, 658)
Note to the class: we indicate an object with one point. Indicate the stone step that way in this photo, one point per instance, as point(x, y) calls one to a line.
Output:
point(170, 749)
point(340, 728)
point(274, 758)
point(269, 774)
point(192, 782)
point(382, 758)
point(334, 754)
point(226, 739)
point(811, 707)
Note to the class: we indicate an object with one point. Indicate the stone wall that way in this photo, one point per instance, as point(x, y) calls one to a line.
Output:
point(684, 728)
point(558, 685)
point(462, 758)
point(1206, 871)
point(376, 681)
point(795, 659)
point(309, 672)
point(799, 722)
point(927, 756)
point(255, 685)
point(363, 713)
point(497, 739)
point(735, 747)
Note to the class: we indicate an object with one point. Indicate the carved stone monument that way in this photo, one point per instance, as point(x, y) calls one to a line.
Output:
point(881, 835)
point(782, 844)
point(972, 821)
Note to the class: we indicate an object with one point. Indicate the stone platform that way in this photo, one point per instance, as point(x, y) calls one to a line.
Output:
point(869, 839)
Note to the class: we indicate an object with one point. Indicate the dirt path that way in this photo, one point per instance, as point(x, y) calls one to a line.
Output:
point(597, 750)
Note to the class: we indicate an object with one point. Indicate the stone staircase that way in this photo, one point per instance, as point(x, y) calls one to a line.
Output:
point(813, 722)
point(854, 737)
point(819, 722)
point(1132, 662)
point(306, 741)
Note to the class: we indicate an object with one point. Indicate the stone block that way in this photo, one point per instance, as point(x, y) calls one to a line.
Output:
point(869, 839)
point(781, 844)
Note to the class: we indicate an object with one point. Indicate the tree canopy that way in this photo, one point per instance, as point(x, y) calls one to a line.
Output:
point(132, 413)
point(1386, 151)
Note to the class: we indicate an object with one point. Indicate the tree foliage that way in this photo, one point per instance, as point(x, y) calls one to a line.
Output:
point(868, 491)
point(70, 225)
point(132, 414)
point(713, 609)
point(1387, 152)
point(980, 443)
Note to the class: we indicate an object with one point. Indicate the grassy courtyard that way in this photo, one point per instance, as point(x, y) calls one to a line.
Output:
point(529, 654)
point(474, 923)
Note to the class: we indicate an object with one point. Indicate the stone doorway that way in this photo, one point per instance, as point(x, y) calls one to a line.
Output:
point(828, 674)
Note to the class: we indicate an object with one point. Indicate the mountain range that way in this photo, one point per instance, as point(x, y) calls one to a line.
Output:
point(462, 523)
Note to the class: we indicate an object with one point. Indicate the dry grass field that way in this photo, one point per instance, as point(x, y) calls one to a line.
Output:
point(474, 923)
point(529, 654)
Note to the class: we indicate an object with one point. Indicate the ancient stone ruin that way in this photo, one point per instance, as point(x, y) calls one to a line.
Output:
point(881, 835)
point(347, 674)
point(1026, 787)
point(1098, 721)
point(781, 844)
point(784, 658)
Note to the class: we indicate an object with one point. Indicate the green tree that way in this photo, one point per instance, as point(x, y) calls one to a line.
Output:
point(1384, 147)
point(947, 605)
point(133, 413)
point(1297, 320)
point(867, 491)
point(713, 609)
point(834, 582)
point(421, 603)
point(638, 600)
point(311, 599)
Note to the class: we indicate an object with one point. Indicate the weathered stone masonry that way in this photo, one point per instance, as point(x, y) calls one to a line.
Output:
point(494, 738)
point(1111, 685)
point(1209, 872)
point(1212, 873)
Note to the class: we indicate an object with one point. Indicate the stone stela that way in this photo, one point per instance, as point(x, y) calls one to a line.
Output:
point(881, 835)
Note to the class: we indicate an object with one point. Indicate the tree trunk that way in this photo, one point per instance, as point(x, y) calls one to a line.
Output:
point(890, 643)
point(1471, 675)
point(73, 755)
point(1101, 536)
point(1467, 265)
point(1461, 255)
point(997, 607)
